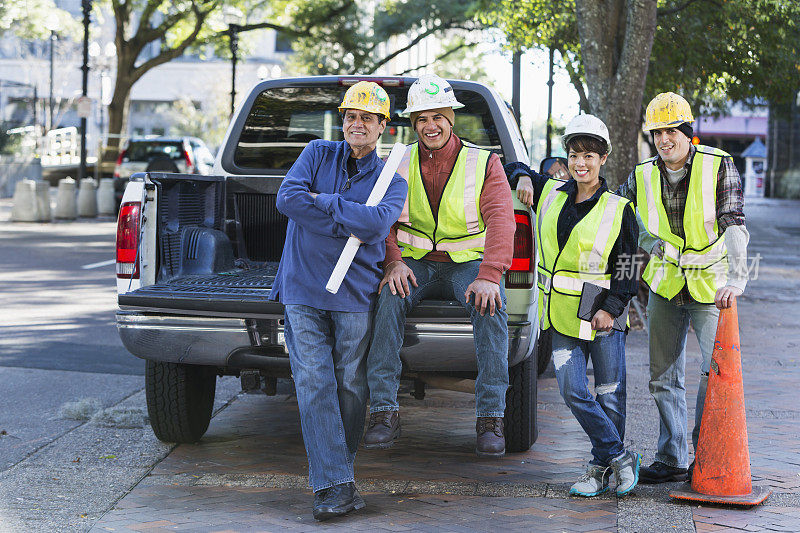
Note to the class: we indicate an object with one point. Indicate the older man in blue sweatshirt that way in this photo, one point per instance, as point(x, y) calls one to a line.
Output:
point(327, 335)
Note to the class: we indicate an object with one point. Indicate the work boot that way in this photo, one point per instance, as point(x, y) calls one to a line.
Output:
point(383, 429)
point(626, 470)
point(490, 442)
point(659, 472)
point(593, 482)
point(689, 472)
point(337, 501)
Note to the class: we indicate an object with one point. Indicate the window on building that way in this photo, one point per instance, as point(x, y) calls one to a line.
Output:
point(283, 43)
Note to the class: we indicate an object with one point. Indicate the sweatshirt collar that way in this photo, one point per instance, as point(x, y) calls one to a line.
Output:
point(364, 164)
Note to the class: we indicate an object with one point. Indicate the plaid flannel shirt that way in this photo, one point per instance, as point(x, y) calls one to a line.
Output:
point(730, 201)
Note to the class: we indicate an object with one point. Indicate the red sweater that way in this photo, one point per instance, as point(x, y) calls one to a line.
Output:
point(497, 209)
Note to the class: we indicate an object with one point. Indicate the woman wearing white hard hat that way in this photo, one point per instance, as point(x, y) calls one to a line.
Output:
point(586, 239)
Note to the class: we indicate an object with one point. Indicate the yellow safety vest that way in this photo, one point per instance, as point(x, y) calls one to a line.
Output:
point(700, 260)
point(562, 272)
point(458, 227)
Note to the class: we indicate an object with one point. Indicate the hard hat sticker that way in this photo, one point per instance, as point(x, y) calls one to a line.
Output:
point(434, 91)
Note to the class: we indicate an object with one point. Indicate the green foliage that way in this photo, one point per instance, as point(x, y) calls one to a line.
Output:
point(720, 50)
point(27, 19)
point(350, 35)
point(711, 51)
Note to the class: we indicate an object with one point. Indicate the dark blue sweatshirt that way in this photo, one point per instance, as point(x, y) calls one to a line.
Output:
point(319, 227)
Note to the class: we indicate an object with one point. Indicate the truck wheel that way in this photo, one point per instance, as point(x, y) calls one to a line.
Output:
point(180, 399)
point(544, 350)
point(520, 419)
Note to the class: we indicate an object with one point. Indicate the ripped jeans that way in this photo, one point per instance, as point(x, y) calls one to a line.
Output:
point(602, 417)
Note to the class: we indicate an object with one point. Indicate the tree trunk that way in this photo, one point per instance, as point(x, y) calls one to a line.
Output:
point(117, 117)
point(616, 38)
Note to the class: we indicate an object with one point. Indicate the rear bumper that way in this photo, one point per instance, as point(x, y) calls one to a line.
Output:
point(259, 343)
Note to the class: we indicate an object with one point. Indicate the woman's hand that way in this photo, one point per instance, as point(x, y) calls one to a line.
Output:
point(602, 321)
point(525, 190)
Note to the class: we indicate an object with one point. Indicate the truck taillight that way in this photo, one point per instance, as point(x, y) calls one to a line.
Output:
point(520, 275)
point(188, 160)
point(128, 241)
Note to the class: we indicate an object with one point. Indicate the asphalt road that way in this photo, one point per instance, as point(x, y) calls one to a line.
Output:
point(55, 313)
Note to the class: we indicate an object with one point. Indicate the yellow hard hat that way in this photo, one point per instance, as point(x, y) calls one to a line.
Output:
point(667, 110)
point(367, 96)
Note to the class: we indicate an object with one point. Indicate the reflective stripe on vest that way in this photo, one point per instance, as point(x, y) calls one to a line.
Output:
point(700, 260)
point(458, 229)
point(563, 272)
point(402, 169)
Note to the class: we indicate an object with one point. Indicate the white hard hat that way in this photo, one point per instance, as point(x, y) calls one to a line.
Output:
point(430, 92)
point(586, 125)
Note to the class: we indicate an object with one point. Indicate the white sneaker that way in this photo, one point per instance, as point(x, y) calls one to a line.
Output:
point(593, 482)
point(626, 470)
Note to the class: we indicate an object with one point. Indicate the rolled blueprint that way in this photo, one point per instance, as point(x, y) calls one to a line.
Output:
point(378, 191)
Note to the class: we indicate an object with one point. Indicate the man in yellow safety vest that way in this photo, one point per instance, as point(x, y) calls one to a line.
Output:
point(689, 204)
point(454, 237)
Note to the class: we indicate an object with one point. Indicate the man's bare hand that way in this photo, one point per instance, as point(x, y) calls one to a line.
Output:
point(487, 295)
point(658, 249)
point(525, 190)
point(602, 321)
point(397, 276)
point(725, 296)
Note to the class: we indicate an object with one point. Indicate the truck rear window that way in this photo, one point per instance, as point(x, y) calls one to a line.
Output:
point(284, 120)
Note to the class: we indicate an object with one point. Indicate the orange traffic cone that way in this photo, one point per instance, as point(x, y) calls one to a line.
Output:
point(722, 459)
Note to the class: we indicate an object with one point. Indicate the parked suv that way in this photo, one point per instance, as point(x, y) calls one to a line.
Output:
point(182, 155)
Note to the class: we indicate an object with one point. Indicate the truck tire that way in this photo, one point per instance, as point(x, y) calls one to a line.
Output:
point(520, 417)
point(180, 399)
point(544, 350)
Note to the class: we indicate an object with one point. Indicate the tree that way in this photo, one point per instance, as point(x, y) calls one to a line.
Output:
point(354, 41)
point(179, 26)
point(711, 52)
point(26, 19)
point(176, 25)
point(616, 38)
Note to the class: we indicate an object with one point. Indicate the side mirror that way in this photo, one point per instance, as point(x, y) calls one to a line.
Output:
point(555, 167)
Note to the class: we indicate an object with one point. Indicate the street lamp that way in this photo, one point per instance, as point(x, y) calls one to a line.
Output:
point(86, 6)
point(51, 23)
point(102, 61)
point(232, 17)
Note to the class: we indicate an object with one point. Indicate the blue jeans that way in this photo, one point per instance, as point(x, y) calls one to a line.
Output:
point(447, 281)
point(602, 417)
point(668, 329)
point(326, 352)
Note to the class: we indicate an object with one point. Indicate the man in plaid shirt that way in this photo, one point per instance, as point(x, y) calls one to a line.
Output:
point(698, 247)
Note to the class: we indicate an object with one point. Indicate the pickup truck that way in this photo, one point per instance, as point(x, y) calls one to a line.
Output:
point(197, 255)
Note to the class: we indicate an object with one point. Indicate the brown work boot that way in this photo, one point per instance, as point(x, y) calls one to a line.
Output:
point(491, 441)
point(383, 429)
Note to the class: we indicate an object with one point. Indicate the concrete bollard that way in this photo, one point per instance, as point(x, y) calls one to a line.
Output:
point(26, 208)
point(87, 198)
point(43, 200)
point(66, 204)
point(106, 203)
